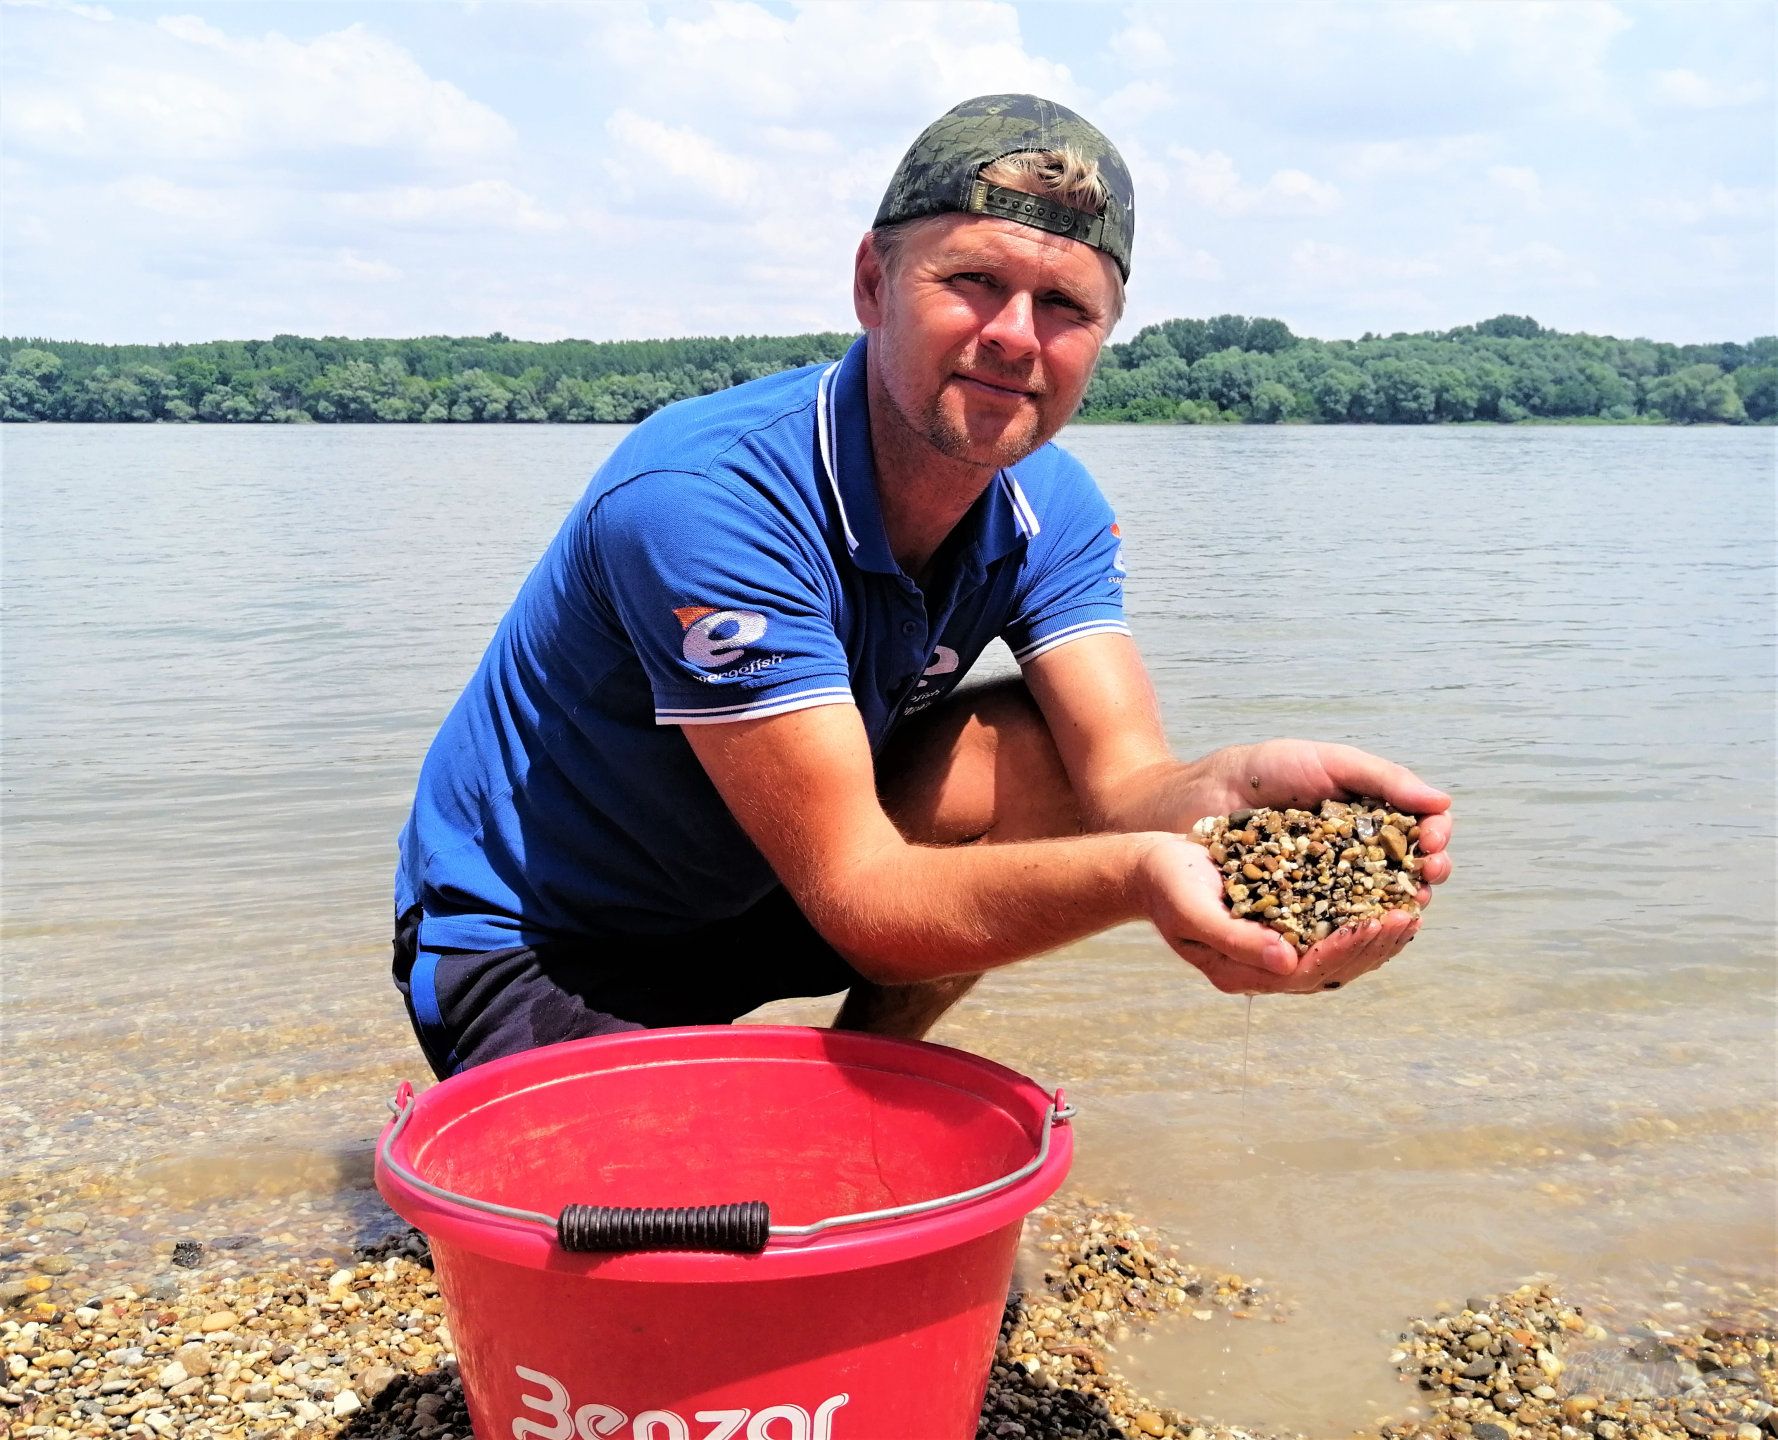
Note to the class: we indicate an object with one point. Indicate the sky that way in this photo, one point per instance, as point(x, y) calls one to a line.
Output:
point(626, 170)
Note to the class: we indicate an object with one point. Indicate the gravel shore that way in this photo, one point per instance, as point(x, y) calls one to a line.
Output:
point(363, 1351)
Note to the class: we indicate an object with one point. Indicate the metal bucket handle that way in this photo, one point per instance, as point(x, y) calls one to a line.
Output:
point(742, 1228)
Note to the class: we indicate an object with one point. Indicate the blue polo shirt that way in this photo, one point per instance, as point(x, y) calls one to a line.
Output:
point(728, 562)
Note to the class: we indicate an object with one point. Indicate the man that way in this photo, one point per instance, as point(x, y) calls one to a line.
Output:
point(712, 756)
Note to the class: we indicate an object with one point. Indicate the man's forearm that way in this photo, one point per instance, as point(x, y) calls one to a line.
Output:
point(913, 912)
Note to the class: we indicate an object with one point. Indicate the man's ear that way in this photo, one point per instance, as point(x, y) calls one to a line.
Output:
point(868, 280)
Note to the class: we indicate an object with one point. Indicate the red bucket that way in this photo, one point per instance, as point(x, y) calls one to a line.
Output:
point(860, 1301)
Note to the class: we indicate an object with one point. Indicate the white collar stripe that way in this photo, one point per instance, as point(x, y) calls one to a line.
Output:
point(825, 424)
point(1021, 507)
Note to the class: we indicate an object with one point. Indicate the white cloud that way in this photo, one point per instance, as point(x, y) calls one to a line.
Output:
point(1359, 71)
point(1718, 202)
point(1140, 46)
point(799, 140)
point(707, 165)
point(1209, 179)
point(183, 90)
point(1165, 257)
point(1520, 182)
point(476, 204)
point(738, 64)
point(1539, 263)
point(1533, 265)
point(39, 118)
point(753, 144)
point(645, 148)
point(66, 7)
point(30, 229)
point(1317, 262)
point(1559, 48)
point(1691, 91)
point(352, 266)
point(1132, 107)
point(1421, 156)
point(1294, 192)
point(1465, 274)
point(184, 203)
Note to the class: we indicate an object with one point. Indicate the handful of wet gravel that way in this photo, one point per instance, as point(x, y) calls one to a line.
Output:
point(1307, 873)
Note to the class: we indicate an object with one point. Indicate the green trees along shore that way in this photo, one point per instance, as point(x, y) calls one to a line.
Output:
point(1226, 369)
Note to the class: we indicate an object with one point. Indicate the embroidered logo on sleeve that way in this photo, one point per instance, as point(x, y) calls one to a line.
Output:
point(717, 638)
point(1117, 559)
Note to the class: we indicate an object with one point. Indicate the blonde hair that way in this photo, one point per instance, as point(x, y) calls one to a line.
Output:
point(1064, 175)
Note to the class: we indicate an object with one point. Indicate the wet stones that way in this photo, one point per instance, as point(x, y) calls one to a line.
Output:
point(1105, 1279)
point(247, 1357)
point(361, 1350)
point(1307, 873)
point(66, 1222)
point(1534, 1345)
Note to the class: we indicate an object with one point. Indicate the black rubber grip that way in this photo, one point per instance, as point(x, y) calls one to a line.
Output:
point(742, 1228)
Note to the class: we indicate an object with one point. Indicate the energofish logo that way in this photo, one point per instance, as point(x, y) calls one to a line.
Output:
point(935, 679)
point(715, 638)
point(594, 1421)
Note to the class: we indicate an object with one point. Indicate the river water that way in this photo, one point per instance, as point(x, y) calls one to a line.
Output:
point(225, 651)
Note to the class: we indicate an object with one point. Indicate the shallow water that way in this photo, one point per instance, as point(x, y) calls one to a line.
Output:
point(226, 650)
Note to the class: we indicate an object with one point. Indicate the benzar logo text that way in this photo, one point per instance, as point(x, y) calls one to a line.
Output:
point(605, 1422)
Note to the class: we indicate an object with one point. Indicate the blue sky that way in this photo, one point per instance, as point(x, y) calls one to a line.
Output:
point(192, 172)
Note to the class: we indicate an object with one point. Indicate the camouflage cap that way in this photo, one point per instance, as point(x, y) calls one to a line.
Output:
point(941, 169)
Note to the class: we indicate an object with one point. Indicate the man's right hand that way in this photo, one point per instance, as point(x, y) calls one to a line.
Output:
point(1183, 893)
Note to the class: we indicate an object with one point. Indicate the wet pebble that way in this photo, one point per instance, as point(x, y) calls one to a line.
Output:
point(65, 1222)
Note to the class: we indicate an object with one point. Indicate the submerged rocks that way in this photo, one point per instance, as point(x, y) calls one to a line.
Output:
point(1105, 1277)
point(1658, 1392)
point(1308, 873)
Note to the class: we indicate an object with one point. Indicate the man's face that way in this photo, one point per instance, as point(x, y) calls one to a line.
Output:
point(984, 332)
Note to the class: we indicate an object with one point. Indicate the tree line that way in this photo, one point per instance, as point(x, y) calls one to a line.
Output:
point(1230, 368)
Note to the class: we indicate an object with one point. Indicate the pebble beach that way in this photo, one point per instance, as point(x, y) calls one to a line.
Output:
point(363, 1349)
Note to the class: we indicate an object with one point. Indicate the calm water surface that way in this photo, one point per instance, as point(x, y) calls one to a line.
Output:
point(225, 651)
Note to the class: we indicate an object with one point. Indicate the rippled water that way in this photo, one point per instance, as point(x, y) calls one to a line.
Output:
point(225, 651)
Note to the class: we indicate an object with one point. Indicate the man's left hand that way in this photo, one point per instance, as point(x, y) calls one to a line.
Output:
point(1300, 774)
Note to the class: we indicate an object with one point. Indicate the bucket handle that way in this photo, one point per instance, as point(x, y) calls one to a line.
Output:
point(741, 1228)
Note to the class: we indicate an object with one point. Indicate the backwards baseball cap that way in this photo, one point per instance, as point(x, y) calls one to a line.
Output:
point(942, 169)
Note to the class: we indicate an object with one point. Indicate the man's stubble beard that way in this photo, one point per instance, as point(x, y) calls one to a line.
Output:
point(952, 441)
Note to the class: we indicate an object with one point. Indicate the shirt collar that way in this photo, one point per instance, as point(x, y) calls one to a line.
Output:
point(1002, 518)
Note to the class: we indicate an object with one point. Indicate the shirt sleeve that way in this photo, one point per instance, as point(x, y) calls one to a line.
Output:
point(729, 608)
point(1072, 583)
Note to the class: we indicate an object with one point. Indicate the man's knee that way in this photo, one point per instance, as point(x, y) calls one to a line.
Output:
point(981, 766)
point(904, 1012)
